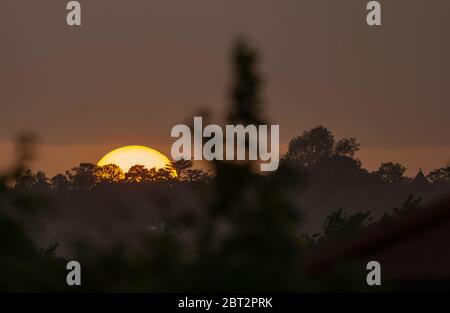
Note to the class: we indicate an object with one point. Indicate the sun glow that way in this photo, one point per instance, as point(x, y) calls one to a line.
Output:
point(128, 156)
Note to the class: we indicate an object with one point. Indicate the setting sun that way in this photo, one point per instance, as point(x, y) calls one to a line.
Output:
point(128, 156)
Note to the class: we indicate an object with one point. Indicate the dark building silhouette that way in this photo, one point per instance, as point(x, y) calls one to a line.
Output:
point(420, 181)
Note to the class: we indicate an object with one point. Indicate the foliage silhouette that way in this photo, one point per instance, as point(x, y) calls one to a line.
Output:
point(393, 173)
point(82, 176)
point(245, 95)
point(318, 144)
point(181, 166)
point(59, 181)
point(440, 176)
point(235, 230)
point(339, 225)
point(109, 173)
point(23, 266)
point(138, 174)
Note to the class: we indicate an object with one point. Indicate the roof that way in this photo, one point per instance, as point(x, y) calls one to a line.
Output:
point(420, 179)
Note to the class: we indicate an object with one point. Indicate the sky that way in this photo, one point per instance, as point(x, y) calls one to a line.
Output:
point(136, 68)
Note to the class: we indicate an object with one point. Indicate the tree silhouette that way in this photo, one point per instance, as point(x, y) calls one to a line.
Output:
point(245, 94)
point(347, 147)
point(41, 182)
point(247, 238)
point(440, 176)
point(235, 231)
point(137, 174)
point(82, 176)
point(59, 181)
point(392, 173)
point(311, 147)
point(318, 144)
point(25, 268)
point(163, 174)
point(181, 166)
point(410, 204)
point(26, 180)
point(29, 180)
point(109, 173)
point(193, 175)
point(338, 166)
point(337, 226)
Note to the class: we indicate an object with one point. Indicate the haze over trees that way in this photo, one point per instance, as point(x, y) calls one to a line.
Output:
point(230, 229)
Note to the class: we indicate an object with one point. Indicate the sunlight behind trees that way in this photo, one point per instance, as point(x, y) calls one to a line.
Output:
point(146, 229)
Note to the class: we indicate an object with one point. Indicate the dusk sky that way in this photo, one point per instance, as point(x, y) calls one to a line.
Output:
point(136, 68)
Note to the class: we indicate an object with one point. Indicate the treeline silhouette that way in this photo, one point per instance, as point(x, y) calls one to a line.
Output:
point(87, 176)
point(315, 151)
point(231, 229)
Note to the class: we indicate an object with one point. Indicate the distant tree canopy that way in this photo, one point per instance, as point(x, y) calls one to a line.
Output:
point(30, 180)
point(339, 166)
point(182, 166)
point(86, 176)
point(346, 147)
point(393, 173)
point(109, 173)
point(59, 181)
point(26, 180)
point(139, 174)
point(440, 176)
point(242, 236)
point(318, 144)
point(82, 176)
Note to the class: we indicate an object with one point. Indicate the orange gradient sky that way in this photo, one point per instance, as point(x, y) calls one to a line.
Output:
point(53, 158)
point(135, 69)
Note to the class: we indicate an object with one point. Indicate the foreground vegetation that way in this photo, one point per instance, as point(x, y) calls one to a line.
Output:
point(229, 230)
